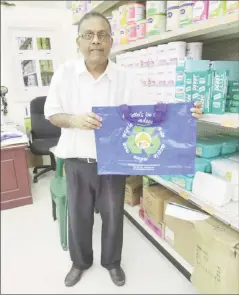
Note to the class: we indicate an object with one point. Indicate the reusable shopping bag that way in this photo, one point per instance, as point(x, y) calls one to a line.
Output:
point(146, 139)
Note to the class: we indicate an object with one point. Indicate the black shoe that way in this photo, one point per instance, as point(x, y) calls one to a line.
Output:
point(73, 277)
point(117, 276)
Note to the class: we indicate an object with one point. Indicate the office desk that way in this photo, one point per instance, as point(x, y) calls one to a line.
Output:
point(15, 182)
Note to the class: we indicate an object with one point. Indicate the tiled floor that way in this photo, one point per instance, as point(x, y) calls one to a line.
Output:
point(33, 262)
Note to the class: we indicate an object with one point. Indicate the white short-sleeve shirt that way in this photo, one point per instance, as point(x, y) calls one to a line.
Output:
point(73, 90)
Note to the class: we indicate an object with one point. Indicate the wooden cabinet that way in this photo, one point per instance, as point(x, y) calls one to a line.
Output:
point(15, 182)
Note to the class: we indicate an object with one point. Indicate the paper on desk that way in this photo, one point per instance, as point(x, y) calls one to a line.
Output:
point(185, 213)
point(14, 141)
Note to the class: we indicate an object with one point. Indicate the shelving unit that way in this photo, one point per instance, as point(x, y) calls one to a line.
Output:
point(221, 28)
point(132, 213)
point(102, 7)
point(227, 214)
point(227, 120)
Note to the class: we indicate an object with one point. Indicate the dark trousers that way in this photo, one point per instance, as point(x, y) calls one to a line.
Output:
point(84, 187)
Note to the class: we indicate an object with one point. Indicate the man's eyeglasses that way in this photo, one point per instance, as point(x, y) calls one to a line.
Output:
point(89, 36)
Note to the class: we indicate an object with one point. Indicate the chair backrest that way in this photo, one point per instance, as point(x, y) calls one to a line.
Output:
point(41, 127)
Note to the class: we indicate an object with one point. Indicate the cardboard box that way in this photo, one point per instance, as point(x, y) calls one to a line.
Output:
point(133, 190)
point(33, 160)
point(180, 234)
point(216, 258)
point(153, 201)
point(157, 228)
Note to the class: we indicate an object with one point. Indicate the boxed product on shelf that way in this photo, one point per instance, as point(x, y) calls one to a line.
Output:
point(231, 66)
point(156, 24)
point(186, 13)
point(179, 233)
point(216, 259)
point(172, 15)
point(229, 144)
point(183, 181)
point(214, 190)
point(226, 169)
point(123, 9)
point(147, 181)
point(232, 6)
point(155, 7)
point(200, 10)
point(198, 87)
point(176, 52)
point(217, 8)
point(153, 201)
point(141, 29)
point(157, 228)
point(131, 32)
point(133, 190)
point(194, 50)
point(219, 91)
point(208, 148)
point(229, 170)
point(135, 12)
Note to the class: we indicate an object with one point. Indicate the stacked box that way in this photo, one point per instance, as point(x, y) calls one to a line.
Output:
point(219, 92)
point(232, 104)
point(198, 87)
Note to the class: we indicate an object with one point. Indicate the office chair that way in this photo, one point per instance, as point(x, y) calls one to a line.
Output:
point(43, 136)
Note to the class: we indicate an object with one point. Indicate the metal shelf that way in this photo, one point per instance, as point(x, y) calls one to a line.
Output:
point(228, 214)
point(227, 120)
point(220, 28)
point(101, 7)
point(132, 213)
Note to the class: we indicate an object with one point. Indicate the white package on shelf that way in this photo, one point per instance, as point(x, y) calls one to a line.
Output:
point(176, 51)
point(172, 15)
point(235, 194)
point(234, 158)
point(194, 50)
point(226, 169)
point(212, 189)
point(161, 53)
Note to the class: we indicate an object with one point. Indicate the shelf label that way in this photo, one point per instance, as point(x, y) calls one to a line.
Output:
point(229, 124)
point(185, 195)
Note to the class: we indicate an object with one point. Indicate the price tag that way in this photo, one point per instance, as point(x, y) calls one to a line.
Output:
point(184, 195)
point(209, 211)
point(229, 124)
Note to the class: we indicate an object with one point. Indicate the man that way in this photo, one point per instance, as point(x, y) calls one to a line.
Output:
point(75, 88)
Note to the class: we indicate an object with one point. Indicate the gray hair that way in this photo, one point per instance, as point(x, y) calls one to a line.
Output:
point(91, 15)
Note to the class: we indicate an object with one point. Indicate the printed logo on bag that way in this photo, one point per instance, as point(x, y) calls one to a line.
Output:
point(143, 142)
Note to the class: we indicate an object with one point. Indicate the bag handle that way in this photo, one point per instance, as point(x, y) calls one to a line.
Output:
point(160, 111)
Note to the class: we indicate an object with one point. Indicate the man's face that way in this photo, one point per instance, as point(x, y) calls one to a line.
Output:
point(95, 40)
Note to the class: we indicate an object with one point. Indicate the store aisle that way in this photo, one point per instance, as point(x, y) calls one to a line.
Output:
point(33, 262)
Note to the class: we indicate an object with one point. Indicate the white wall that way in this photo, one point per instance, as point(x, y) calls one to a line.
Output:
point(28, 17)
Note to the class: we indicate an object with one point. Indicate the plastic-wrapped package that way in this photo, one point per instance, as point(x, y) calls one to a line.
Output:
point(146, 139)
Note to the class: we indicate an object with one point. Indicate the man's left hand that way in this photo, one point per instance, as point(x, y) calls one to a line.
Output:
point(197, 110)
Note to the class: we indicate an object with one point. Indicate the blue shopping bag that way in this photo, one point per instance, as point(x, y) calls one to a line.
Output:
point(146, 140)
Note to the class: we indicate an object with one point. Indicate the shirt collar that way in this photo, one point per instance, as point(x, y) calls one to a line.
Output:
point(110, 70)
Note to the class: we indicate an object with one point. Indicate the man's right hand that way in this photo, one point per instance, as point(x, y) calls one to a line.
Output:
point(89, 121)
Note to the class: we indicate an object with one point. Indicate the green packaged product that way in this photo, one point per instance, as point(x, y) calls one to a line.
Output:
point(233, 110)
point(148, 181)
point(220, 84)
point(233, 90)
point(218, 107)
point(233, 83)
point(233, 96)
point(202, 89)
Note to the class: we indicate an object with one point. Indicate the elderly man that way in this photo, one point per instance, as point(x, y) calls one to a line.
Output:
point(76, 87)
